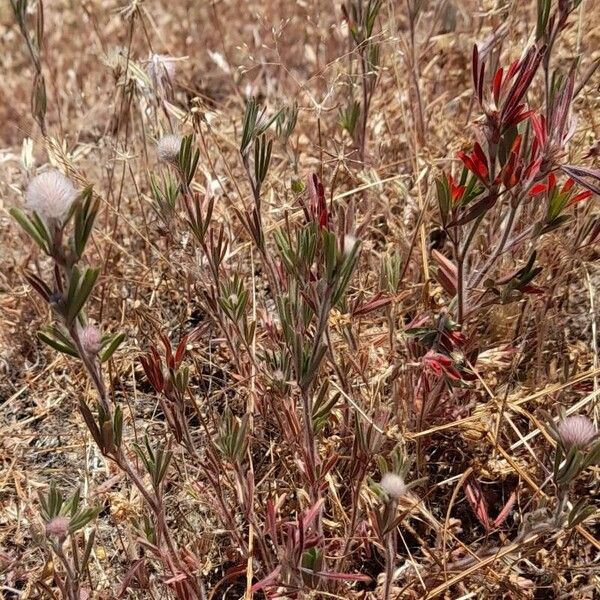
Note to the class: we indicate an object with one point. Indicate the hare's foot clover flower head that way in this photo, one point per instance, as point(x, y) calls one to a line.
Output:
point(168, 148)
point(58, 527)
point(51, 195)
point(576, 431)
point(350, 242)
point(91, 339)
point(393, 485)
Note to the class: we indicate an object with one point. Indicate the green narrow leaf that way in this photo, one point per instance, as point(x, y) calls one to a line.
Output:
point(313, 366)
point(82, 518)
point(73, 503)
point(41, 239)
point(164, 465)
point(593, 456)
point(81, 294)
point(88, 417)
point(85, 215)
point(89, 544)
point(38, 285)
point(193, 166)
point(443, 194)
point(112, 346)
point(56, 344)
point(118, 426)
point(73, 286)
point(249, 125)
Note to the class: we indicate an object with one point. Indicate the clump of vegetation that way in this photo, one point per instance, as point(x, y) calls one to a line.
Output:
point(316, 325)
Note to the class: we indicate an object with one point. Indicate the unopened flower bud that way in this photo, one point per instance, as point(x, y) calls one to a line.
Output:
point(51, 195)
point(576, 431)
point(58, 527)
point(168, 148)
point(393, 485)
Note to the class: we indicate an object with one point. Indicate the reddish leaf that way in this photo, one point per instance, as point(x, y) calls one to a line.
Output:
point(580, 197)
point(318, 205)
point(168, 351)
point(481, 158)
point(478, 502)
point(456, 190)
point(468, 162)
point(476, 210)
point(180, 350)
point(497, 84)
point(269, 580)
point(538, 188)
point(505, 510)
point(440, 364)
point(447, 272)
point(569, 183)
point(524, 76)
point(129, 576)
point(532, 170)
point(475, 67)
point(538, 122)
point(512, 70)
point(373, 304)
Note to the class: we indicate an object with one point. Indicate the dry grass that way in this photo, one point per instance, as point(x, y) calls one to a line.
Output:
point(538, 353)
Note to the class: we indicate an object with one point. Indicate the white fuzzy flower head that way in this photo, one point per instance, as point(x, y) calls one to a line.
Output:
point(91, 339)
point(168, 148)
point(160, 69)
point(576, 431)
point(393, 485)
point(51, 195)
point(349, 242)
point(58, 527)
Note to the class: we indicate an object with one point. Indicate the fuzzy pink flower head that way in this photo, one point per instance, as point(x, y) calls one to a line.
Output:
point(91, 339)
point(168, 148)
point(576, 431)
point(58, 527)
point(393, 485)
point(51, 195)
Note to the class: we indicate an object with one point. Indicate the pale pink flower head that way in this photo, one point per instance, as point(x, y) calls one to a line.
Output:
point(576, 431)
point(51, 195)
point(58, 527)
point(168, 147)
point(393, 485)
point(91, 339)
